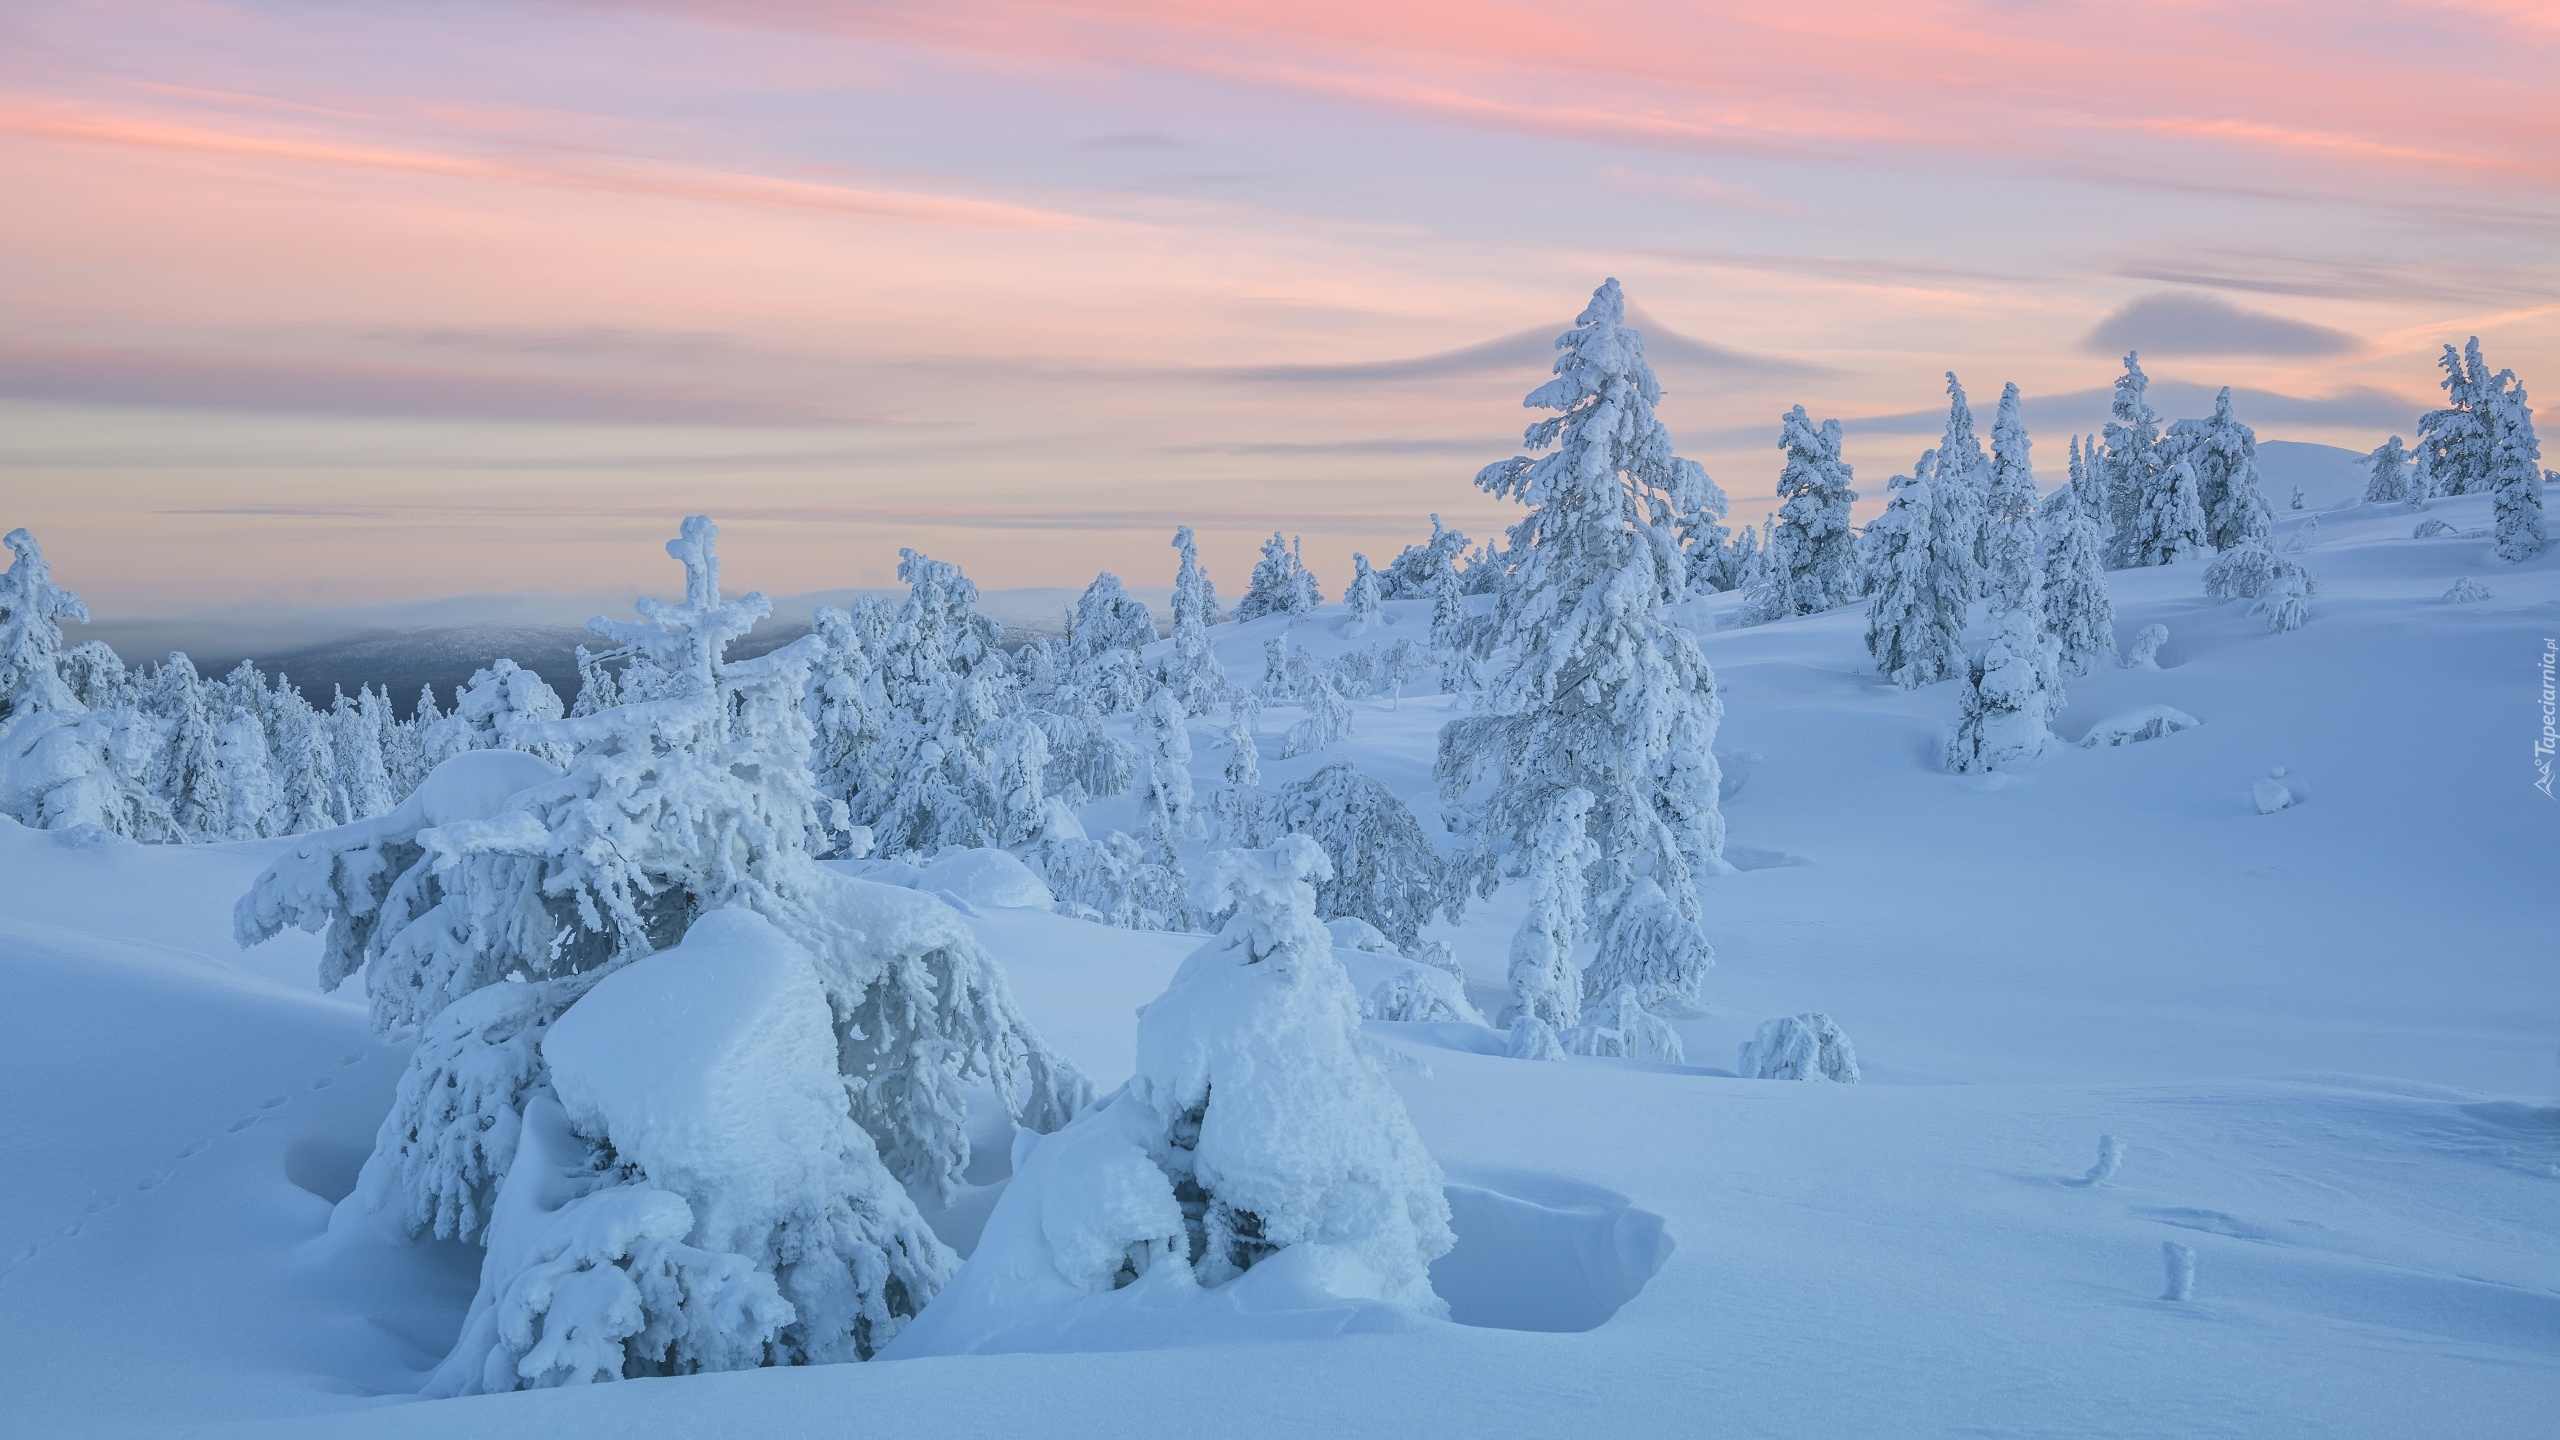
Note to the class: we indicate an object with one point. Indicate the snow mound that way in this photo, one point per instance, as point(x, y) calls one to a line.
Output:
point(1545, 1253)
point(711, 1065)
point(2134, 726)
point(1256, 1176)
point(1799, 1047)
point(984, 879)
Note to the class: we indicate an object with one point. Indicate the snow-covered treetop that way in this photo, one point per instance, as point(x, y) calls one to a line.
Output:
point(684, 642)
point(1612, 485)
point(32, 609)
point(1269, 900)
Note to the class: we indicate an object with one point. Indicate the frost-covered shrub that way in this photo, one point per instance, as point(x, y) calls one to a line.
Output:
point(1328, 719)
point(2135, 726)
point(2240, 573)
point(1383, 867)
point(2466, 591)
point(2145, 654)
point(1799, 1047)
point(1618, 1025)
point(1113, 881)
point(1257, 1143)
point(2286, 600)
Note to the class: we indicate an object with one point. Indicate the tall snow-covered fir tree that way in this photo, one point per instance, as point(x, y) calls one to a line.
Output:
point(2515, 474)
point(2131, 467)
point(499, 906)
point(1188, 668)
point(1106, 634)
point(2009, 541)
point(2224, 456)
point(2387, 472)
point(1963, 483)
point(2079, 614)
point(1812, 563)
point(1592, 687)
point(1920, 582)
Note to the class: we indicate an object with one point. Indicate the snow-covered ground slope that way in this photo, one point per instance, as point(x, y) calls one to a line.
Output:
point(2325, 1036)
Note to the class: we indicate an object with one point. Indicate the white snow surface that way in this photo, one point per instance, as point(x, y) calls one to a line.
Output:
point(2324, 1037)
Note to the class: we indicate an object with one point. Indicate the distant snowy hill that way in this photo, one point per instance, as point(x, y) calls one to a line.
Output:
point(2322, 1033)
point(2327, 474)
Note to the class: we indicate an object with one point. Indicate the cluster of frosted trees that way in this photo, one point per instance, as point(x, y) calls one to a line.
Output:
point(2481, 442)
point(163, 753)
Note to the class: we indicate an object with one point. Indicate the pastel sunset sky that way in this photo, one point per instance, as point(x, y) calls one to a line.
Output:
point(343, 302)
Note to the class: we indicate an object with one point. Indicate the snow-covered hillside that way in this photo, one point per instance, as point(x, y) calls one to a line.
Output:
point(2323, 1032)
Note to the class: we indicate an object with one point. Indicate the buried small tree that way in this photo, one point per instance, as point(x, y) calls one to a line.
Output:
point(487, 905)
point(1257, 1129)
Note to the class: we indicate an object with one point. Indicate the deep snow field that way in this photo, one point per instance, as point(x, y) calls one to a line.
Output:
point(2325, 1036)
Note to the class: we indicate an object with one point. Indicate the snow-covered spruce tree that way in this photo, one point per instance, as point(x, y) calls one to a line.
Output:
point(1420, 570)
point(2457, 443)
point(933, 778)
point(501, 893)
point(73, 750)
point(1556, 861)
point(2169, 525)
point(1918, 583)
point(32, 609)
point(2009, 540)
point(1105, 635)
point(306, 760)
point(1737, 565)
point(2387, 470)
point(1616, 1024)
point(1188, 668)
point(2011, 695)
point(1362, 598)
point(597, 688)
point(2132, 467)
point(1256, 1130)
point(1165, 741)
point(493, 709)
point(1281, 583)
point(2224, 455)
point(1237, 806)
point(1455, 636)
point(356, 733)
point(2079, 615)
point(1813, 563)
point(1383, 867)
point(186, 773)
point(847, 711)
point(2515, 474)
point(1594, 688)
point(240, 751)
point(1963, 483)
